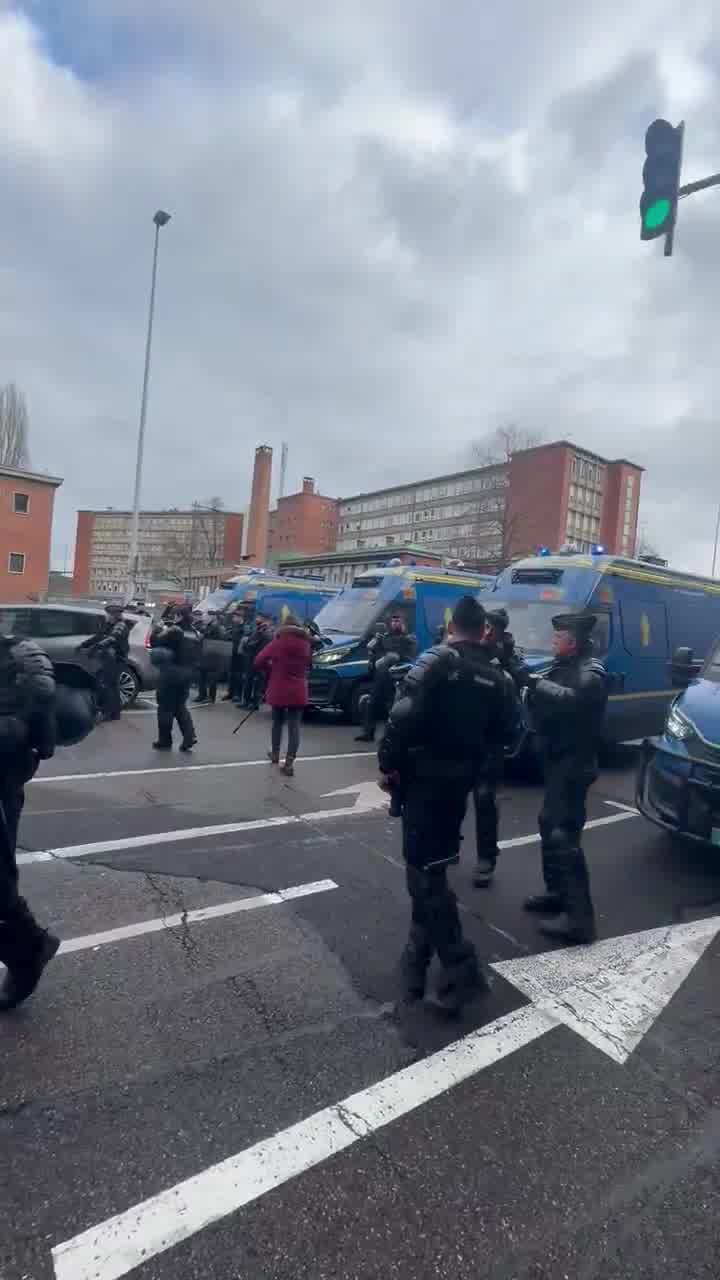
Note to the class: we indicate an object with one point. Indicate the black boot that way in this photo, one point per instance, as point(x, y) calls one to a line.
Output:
point(162, 746)
point(365, 736)
point(461, 981)
point(414, 964)
point(548, 904)
point(26, 950)
point(484, 873)
point(577, 923)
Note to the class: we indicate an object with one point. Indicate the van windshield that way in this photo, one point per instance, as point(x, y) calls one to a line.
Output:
point(217, 600)
point(531, 624)
point(352, 612)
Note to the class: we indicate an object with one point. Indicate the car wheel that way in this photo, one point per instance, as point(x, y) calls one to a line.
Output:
point(129, 686)
point(357, 702)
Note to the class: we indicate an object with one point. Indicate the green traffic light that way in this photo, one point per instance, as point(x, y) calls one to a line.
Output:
point(656, 214)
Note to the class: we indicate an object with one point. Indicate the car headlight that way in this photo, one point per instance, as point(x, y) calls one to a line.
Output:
point(677, 725)
point(334, 655)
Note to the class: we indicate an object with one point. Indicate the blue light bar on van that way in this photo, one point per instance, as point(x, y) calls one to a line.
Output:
point(598, 549)
point(544, 551)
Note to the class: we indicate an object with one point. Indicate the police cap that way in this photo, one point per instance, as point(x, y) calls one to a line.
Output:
point(577, 624)
point(499, 618)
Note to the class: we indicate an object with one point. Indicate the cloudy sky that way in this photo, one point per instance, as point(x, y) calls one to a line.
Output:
point(395, 225)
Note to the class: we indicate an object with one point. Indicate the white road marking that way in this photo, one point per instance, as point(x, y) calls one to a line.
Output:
point(369, 797)
point(115, 1247)
point(610, 993)
point(516, 841)
point(199, 916)
point(189, 768)
point(627, 808)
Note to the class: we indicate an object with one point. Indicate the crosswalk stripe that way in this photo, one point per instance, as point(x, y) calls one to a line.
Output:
point(199, 916)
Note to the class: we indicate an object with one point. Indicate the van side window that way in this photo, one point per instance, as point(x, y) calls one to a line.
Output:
point(644, 629)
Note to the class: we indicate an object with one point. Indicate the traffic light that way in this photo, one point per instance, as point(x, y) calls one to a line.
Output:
point(661, 179)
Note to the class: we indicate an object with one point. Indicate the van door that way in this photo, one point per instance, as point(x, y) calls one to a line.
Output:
point(641, 704)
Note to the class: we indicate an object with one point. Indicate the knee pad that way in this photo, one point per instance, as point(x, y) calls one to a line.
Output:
point(558, 840)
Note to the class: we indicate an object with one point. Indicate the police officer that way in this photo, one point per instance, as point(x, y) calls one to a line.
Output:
point(455, 707)
point(27, 735)
point(567, 708)
point(110, 645)
point(180, 643)
point(238, 632)
point(385, 650)
point(253, 683)
point(501, 648)
point(207, 671)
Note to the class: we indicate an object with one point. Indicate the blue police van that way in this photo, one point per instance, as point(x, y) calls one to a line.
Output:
point(259, 591)
point(424, 597)
point(645, 612)
point(678, 784)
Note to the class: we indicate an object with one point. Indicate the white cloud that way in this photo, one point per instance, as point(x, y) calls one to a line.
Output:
point(393, 226)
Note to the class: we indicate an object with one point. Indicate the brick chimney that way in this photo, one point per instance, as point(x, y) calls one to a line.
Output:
point(259, 514)
point(308, 484)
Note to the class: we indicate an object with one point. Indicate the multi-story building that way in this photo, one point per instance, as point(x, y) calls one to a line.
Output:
point(338, 568)
point(560, 495)
point(304, 522)
point(27, 499)
point(173, 545)
point(455, 515)
point(553, 495)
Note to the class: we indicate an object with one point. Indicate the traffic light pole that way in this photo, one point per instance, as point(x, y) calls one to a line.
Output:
point(689, 189)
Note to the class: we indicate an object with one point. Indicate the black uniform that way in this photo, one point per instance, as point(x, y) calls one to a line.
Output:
point(253, 681)
point(237, 636)
point(567, 707)
point(501, 647)
point(208, 666)
point(110, 645)
point(182, 642)
point(27, 735)
point(386, 650)
point(454, 708)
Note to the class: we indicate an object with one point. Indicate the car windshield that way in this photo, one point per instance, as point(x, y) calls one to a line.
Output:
point(352, 612)
point(531, 624)
point(217, 600)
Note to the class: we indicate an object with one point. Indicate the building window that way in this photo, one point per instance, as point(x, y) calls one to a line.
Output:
point(21, 503)
point(16, 562)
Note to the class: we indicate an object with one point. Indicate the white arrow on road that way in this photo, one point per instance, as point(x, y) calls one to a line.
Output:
point(610, 993)
point(369, 797)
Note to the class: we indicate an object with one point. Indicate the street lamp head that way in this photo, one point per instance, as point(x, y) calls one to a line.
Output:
point(161, 218)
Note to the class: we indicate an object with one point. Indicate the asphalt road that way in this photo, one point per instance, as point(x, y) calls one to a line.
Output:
point(153, 1054)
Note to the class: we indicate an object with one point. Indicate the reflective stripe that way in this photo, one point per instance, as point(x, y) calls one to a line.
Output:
point(651, 693)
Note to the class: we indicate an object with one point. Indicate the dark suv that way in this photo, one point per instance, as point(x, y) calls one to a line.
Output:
point(60, 628)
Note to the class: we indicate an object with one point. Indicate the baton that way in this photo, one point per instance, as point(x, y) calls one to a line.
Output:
point(245, 719)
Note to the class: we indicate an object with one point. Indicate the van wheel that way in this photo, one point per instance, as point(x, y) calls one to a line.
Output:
point(129, 686)
point(359, 693)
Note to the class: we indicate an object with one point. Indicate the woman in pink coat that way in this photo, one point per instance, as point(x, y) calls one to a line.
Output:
point(287, 658)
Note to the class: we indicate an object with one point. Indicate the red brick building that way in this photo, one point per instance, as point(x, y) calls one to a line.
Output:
point(305, 521)
point(174, 543)
point(561, 495)
point(27, 499)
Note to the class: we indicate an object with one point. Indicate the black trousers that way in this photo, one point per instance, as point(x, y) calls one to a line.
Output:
point(19, 932)
point(380, 700)
point(433, 813)
point(108, 678)
point(172, 695)
point(236, 676)
point(207, 683)
point(292, 716)
point(486, 821)
point(561, 821)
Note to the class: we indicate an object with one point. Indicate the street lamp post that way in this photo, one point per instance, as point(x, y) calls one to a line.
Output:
point(160, 219)
point(715, 548)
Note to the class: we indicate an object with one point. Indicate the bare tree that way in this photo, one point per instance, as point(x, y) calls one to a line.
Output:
point(14, 427)
point(645, 545)
point(198, 545)
point(496, 523)
point(500, 445)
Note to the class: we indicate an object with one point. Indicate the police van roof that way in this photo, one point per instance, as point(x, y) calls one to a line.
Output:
point(614, 565)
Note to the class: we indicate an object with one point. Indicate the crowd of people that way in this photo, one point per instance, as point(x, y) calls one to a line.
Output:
point(452, 714)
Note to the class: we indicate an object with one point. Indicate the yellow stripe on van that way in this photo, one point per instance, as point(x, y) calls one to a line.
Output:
point(648, 693)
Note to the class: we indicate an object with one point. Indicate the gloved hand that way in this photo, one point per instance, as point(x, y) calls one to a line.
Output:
point(387, 781)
